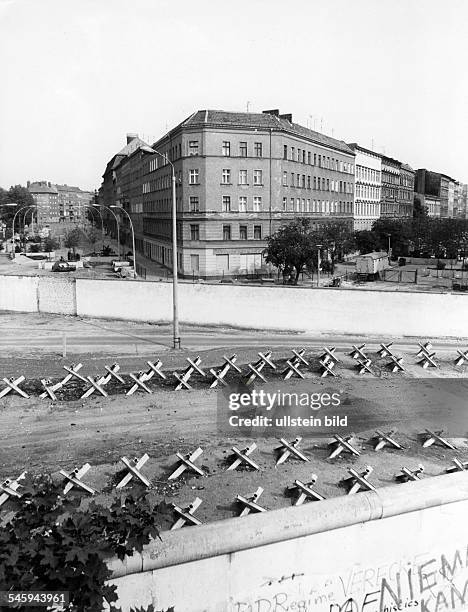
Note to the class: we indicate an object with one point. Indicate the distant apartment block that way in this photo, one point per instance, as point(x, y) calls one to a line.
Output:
point(59, 203)
point(240, 176)
point(368, 186)
point(397, 200)
point(437, 192)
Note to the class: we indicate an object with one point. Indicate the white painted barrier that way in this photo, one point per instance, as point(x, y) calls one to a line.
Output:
point(348, 311)
point(19, 293)
point(403, 547)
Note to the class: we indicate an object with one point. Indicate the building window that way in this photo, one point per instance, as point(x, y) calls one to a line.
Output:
point(285, 151)
point(194, 232)
point(285, 179)
point(242, 177)
point(303, 156)
point(226, 206)
point(293, 150)
point(309, 158)
point(257, 232)
point(257, 203)
point(242, 232)
point(226, 176)
point(285, 204)
point(226, 232)
point(226, 149)
point(303, 181)
point(194, 177)
point(258, 149)
point(193, 147)
point(194, 204)
point(258, 177)
point(308, 182)
point(243, 149)
point(242, 204)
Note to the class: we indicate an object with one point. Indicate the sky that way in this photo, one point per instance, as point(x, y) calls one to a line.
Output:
point(77, 76)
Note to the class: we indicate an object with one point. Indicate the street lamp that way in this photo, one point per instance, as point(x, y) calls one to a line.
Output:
point(319, 246)
point(117, 226)
point(92, 207)
point(175, 299)
point(133, 236)
point(13, 228)
point(389, 248)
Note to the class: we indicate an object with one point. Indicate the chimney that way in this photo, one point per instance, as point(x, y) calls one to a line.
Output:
point(287, 117)
point(49, 184)
point(131, 137)
point(28, 184)
point(274, 112)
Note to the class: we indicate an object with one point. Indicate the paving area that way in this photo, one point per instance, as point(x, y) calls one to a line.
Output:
point(41, 435)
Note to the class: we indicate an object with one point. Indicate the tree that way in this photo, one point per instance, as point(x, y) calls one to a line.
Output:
point(17, 194)
point(50, 244)
point(293, 247)
point(72, 239)
point(419, 210)
point(399, 231)
point(92, 237)
point(367, 241)
point(339, 241)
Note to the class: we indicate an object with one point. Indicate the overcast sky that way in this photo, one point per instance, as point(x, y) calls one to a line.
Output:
point(77, 75)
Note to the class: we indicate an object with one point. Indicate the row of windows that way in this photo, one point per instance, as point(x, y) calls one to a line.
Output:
point(367, 174)
point(366, 209)
point(243, 149)
point(368, 191)
point(227, 232)
point(322, 161)
point(242, 177)
point(317, 206)
point(319, 183)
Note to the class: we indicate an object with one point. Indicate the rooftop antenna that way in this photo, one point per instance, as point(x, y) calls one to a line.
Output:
point(247, 106)
point(321, 125)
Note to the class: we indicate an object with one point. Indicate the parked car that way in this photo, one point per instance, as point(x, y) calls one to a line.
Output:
point(63, 266)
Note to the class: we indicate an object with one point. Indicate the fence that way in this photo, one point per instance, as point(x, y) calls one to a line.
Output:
point(400, 276)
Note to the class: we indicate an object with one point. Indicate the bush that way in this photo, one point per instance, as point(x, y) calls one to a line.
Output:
point(51, 544)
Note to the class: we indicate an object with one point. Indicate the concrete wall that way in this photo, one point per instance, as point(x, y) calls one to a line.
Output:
point(402, 546)
point(57, 295)
point(19, 293)
point(382, 313)
point(325, 310)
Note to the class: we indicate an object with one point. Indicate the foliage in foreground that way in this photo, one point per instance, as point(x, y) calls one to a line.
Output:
point(51, 544)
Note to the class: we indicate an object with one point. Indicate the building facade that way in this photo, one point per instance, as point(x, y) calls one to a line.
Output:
point(368, 186)
point(406, 192)
point(439, 193)
point(240, 176)
point(59, 203)
point(390, 187)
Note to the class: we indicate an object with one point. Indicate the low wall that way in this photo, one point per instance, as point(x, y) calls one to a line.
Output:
point(299, 309)
point(19, 293)
point(404, 546)
point(345, 311)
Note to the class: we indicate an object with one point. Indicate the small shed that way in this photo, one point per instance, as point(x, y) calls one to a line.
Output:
point(372, 264)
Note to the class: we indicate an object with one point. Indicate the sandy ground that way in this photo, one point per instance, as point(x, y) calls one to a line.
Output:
point(45, 436)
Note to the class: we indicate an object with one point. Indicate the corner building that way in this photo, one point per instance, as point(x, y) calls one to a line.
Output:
point(240, 176)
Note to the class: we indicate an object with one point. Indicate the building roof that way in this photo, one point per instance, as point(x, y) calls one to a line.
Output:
point(375, 254)
point(407, 167)
point(355, 145)
point(41, 188)
point(263, 121)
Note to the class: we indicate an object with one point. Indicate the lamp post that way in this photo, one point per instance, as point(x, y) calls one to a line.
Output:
point(13, 228)
point(175, 297)
point(389, 248)
point(133, 236)
point(116, 224)
point(319, 246)
point(93, 207)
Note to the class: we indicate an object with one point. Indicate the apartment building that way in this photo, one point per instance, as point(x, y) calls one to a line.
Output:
point(439, 193)
point(58, 203)
point(368, 186)
point(240, 176)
